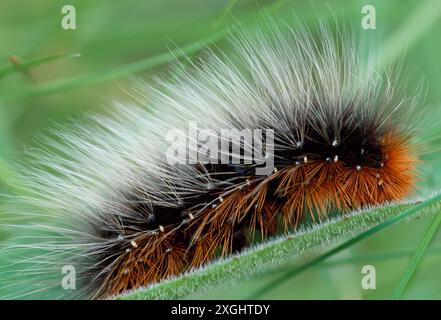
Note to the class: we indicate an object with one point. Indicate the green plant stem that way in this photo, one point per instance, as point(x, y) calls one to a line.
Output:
point(381, 256)
point(228, 8)
point(26, 65)
point(128, 69)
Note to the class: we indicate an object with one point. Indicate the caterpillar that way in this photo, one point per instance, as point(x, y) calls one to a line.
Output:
point(336, 133)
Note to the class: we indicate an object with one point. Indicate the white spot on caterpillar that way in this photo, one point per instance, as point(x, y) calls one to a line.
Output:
point(299, 144)
point(334, 143)
point(120, 237)
point(328, 159)
point(305, 159)
point(380, 182)
point(335, 158)
point(161, 228)
point(168, 250)
point(358, 167)
point(297, 163)
point(275, 170)
point(381, 164)
point(221, 199)
point(134, 244)
point(362, 151)
point(191, 216)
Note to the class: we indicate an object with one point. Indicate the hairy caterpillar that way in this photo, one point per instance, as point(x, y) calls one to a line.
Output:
point(126, 217)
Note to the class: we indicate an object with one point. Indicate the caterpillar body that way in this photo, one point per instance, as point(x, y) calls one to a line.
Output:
point(126, 217)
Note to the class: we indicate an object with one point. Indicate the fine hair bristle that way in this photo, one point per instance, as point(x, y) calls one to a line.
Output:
point(125, 217)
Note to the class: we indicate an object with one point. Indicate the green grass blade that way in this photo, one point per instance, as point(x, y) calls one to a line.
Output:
point(106, 75)
point(416, 259)
point(228, 8)
point(293, 272)
point(26, 65)
point(128, 69)
point(373, 257)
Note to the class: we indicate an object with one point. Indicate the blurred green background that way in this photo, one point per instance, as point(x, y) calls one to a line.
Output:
point(49, 75)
